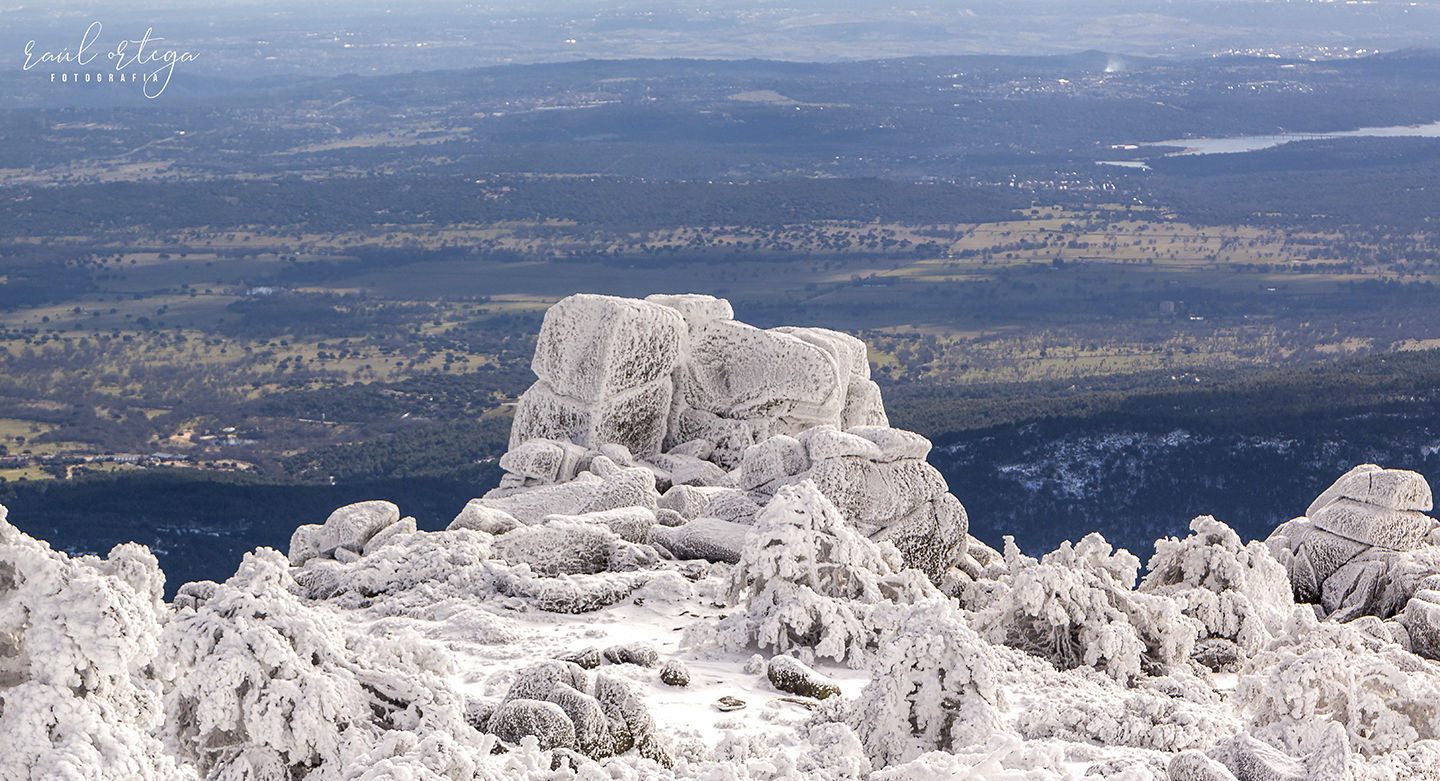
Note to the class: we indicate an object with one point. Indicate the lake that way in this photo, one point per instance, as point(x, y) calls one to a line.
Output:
point(1215, 146)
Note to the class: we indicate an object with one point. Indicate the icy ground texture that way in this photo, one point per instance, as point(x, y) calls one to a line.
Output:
point(729, 609)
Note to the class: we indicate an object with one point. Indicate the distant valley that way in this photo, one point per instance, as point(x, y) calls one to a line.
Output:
point(288, 293)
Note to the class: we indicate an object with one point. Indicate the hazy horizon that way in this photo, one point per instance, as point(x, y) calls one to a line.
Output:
point(257, 39)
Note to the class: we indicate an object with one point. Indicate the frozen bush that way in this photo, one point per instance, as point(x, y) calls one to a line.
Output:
point(1384, 697)
point(808, 581)
point(1237, 592)
point(936, 687)
point(78, 697)
point(265, 683)
point(1076, 606)
point(1086, 706)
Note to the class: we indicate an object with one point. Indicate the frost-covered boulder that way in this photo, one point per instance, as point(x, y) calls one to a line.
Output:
point(480, 517)
point(389, 534)
point(688, 470)
point(1396, 489)
point(773, 459)
point(879, 480)
point(635, 418)
point(604, 365)
point(346, 531)
point(1421, 623)
point(536, 681)
point(605, 485)
point(545, 460)
point(675, 673)
point(793, 676)
point(873, 493)
point(637, 653)
point(592, 347)
point(733, 505)
point(687, 501)
point(609, 368)
point(630, 722)
point(587, 717)
point(1383, 527)
point(711, 539)
point(632, 524)
point(696, 308)
point(824, 442)
point(1364, 546)
point(566, 545)
point(729, 406)
point(1194, 765)
point(1249, 759)
point(546, 721)
point(782, 383)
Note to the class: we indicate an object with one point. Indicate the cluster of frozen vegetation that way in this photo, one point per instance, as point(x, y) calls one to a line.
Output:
point(712, 558)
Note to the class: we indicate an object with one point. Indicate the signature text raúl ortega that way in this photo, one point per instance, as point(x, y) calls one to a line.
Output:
point(124, 55)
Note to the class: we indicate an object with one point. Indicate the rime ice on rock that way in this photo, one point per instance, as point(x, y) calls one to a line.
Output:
point(347, 531)
point(793, 676)
point(359, 656)
point(1366, 548)
point(722, 415)
point(515, 719)
point(604, 365)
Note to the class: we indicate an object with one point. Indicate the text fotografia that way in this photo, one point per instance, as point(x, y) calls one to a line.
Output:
point(132, 61)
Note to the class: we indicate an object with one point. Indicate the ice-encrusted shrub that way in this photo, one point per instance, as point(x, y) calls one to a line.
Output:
point(419, 570)
point(808, 582)
point(266, 685)
point(1237, 592)
point(936, 686)
point(1077, 606)
point(571, 546)
point(78, 698)
point(1089, 707)
point(1005, 757)
point(1414, 761)
point(1385, 697)
point(833, 753)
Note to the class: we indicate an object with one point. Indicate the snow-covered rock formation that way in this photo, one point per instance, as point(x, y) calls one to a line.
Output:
point(711, 558)
point(1365, 547)
point(722, 415)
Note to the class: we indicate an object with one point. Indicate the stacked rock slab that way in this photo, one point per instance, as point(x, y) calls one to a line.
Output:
point(1365, 547)
point(349, 533)
point(604, 365)
point(880, 481)
point(719, 415)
